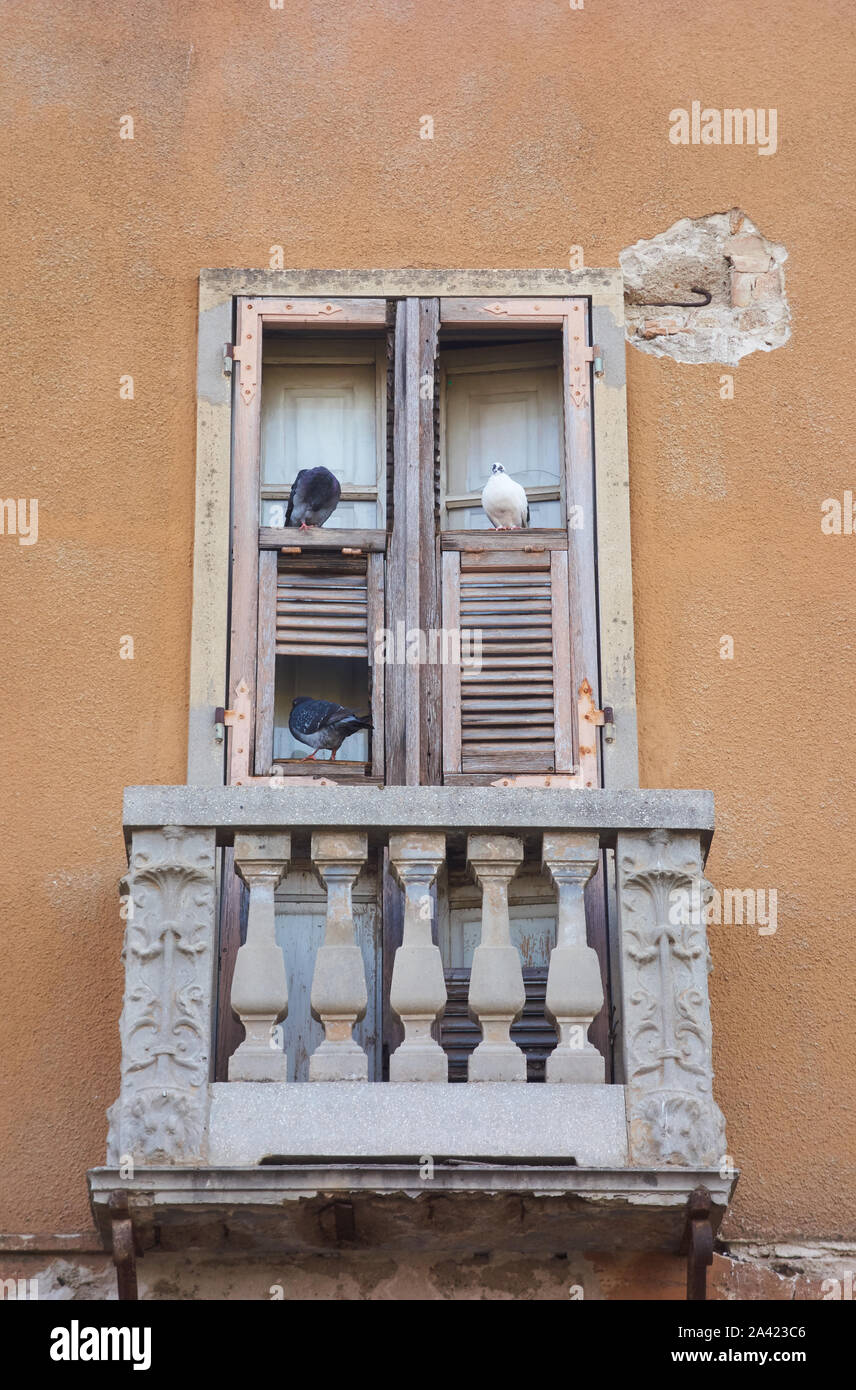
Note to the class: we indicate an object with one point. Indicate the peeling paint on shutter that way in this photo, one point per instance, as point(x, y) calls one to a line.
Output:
point(508, 709)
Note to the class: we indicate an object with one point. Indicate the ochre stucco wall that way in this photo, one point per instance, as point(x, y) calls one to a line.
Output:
point(300, 127)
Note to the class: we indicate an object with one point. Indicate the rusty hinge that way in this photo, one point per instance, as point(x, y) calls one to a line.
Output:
point(606, 719)
point(228, 354)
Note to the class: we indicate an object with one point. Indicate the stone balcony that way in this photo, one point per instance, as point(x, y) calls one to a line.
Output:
point(258, 1158)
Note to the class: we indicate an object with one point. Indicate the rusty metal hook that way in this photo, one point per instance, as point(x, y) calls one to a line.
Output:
point(676, 303)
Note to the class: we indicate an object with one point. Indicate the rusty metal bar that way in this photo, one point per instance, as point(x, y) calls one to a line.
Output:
point(124, 1248)
point(697, 1244)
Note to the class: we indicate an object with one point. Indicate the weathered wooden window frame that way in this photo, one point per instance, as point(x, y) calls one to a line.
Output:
point(254, 558)
point(219, 291)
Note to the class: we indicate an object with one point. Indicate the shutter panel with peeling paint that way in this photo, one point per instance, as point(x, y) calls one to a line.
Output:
point(508, 706)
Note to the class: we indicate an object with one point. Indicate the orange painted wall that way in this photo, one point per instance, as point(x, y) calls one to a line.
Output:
point(300, 127)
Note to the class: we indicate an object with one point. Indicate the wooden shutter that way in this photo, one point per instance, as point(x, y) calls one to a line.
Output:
point(321, 614)
point(326, 606)
point(510, 711)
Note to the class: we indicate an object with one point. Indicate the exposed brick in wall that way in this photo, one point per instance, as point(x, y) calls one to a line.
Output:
point(724, 255)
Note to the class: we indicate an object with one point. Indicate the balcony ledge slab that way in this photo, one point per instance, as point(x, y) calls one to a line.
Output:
point(328, 1207)
point(453, 809)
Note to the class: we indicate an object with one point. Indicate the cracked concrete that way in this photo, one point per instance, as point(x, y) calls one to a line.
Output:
point(726, 256)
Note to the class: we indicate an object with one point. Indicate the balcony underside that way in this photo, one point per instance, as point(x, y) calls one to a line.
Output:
point(548, 1207)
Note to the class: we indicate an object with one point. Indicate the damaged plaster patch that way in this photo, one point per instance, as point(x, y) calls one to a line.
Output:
point(726, 256)
point(61, 1280)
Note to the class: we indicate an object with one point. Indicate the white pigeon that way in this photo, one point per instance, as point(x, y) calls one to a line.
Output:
point(504, 501)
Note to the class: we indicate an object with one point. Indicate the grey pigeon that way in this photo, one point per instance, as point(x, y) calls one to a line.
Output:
point(504, 501)
point(315, 495)
point(321, 724)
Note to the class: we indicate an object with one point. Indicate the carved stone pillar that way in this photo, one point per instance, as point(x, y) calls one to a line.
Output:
point(339, 995)
point(259, 986)
point(574, 986)
point(497, 994)
point(418, 990)
point(161, 1115)
point(673, 1117)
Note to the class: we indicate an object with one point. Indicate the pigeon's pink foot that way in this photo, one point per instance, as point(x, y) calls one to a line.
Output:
point(333, 755)
point(309, 759)
point(304, 526)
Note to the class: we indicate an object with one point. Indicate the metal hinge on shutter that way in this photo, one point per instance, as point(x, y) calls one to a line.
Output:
point(605, 718)
point(579, 356)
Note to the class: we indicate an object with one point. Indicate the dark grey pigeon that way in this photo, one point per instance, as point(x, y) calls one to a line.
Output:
point(315, 495)
point(321, 724)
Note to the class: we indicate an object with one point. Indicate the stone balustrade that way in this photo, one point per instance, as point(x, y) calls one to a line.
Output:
point(659, 841)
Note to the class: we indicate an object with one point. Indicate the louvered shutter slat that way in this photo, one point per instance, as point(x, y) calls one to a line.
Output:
point(321, 615)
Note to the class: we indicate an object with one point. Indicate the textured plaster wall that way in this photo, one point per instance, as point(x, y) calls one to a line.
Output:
point(300, 127)
point(485, 1276)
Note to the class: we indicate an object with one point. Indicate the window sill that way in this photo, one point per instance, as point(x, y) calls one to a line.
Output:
point(544, 538)
point(292, 539)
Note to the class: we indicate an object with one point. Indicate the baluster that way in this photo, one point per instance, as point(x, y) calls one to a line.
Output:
point(574, 986)
point(339, 995)
point(259, 987)
point(418, 989)
point(497, 994)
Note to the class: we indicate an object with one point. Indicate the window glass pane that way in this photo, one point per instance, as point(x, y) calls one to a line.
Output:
point(509, 413)
point(349, 515)
point(474, 519)
point(326, 414)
